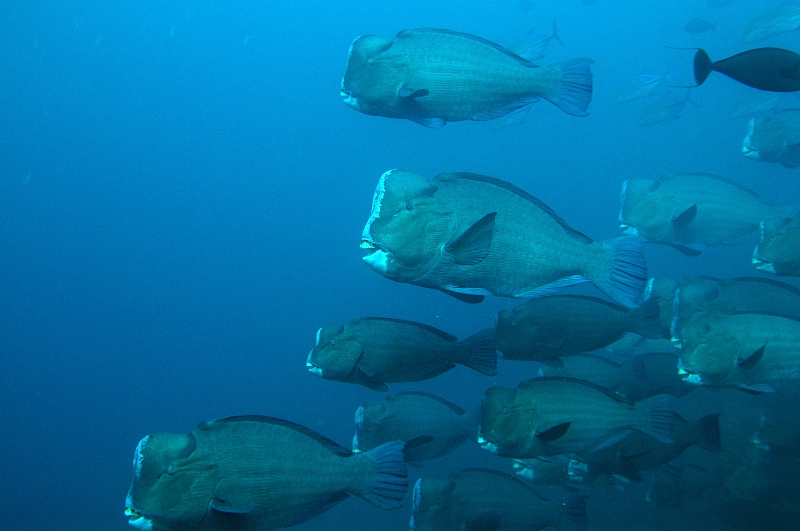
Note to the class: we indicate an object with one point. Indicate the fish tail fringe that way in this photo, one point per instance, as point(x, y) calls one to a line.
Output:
point(478, 352)
point(647, 319)
point(658, 418)
point(575, 512)
point(702, 66)
point(574, 92)
point(391, 476)
point(628, 276)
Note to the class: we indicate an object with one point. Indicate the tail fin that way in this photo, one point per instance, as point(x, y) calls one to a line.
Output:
point(646, 319)
point(478, 352)
point(575, 513)
point(574, 92)
point(656, 418)
point(628, 276)
point(702, 66)
point(391, 476)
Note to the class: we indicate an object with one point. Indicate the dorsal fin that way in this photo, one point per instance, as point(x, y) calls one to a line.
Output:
point(457, 410)
point(442, 334)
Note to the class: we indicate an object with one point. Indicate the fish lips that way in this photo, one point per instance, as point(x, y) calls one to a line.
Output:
point(312, 368)
point(138, 520)
point(378, 257)
point(688, 376)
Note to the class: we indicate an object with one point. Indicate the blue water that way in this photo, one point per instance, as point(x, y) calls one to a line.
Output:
point(182, 195)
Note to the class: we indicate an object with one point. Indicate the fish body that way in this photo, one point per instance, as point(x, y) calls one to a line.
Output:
point(667, 107)
point(684, 210)
point(374, 351)
point(471, 235)
point(430, 425)
point(639, 87)
point(699, 25)
point(756, 103)
point(553, 416)
point(434, 76)
point(563, 325)
point(778, 20)
point(253, 473)
point(774, 138)
point(663, 289)
point(772, 69)
point(778, 251)
point(478, 499)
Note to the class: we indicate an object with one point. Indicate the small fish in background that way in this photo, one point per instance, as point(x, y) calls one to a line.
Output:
point(756, 103)
point(374, 351)
point(774, 138)
point(533, 48)
point(435, 76)
point(699, 25)
point(640, 87)
point(254, 472)
point(689, 210)
point(488, 500)
point(778, 252)
point(666, 108)
point(471, 235)
point(431, 426)
point(548, 328)
point(771, 69)
point(560, 416)
point(781, 19)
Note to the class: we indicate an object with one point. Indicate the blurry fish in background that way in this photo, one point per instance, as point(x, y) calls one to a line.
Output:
point(639, 87)
point(778, 20)
point(667, 107)
point(774, 138)
point(471, 235)
point(435, 76)
point(548, 328)
point(488, 500)
point(374, 351)
point(756, 103)
point(699, 25)
point(533, 47)
point(778, 252)
point(431, 426)
point(691, 209)
point(772, 69)
point(254, 472)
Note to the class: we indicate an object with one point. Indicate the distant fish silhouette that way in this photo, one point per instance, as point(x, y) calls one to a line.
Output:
point(772, 69)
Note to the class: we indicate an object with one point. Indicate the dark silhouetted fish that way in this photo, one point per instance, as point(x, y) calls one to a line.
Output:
point(772, 69)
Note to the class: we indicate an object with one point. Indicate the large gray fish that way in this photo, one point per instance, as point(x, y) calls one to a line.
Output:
point(745, 350)
point(471, 235)
point(374, 351)
point(778, 20)
point(488, 500)
point(430, 425)
point(253, 473)
point(691, 209)
point(778, 252)
point(563, 325)
point(435, 76)
point(774, 138)
point(553, 416)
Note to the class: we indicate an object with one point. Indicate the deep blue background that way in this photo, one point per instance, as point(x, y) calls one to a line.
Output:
point(182, 194)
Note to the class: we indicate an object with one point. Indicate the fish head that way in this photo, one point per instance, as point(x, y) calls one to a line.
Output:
point(640, 213)
point(506, 427)
point(370, 417)
point(166, 491)
point(709, 352)
point(519, 328)
point(370, 81)
point(430, 509)
point(335, 354)
point(778, 251)
point(773, 137)
point(406, 228)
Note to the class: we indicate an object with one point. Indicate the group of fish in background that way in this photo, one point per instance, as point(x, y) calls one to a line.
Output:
point(600, 408)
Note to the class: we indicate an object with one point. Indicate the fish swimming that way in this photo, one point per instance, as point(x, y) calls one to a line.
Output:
point(639, 87)
point(553, 416)
point(756, 103)
point(253, 473)
point(374, 351)
point(548, 328)
point(772, 69)
point(778, 252)
point(667, 107)
point(488, 500)
point(774, 138)
point(431, 426)
point(778, 20)
point(435, 76)
point(686, 210)
point(472, 235)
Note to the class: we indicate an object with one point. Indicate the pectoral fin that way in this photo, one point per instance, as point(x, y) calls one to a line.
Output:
point(752, 359)
point(406, 92)
point(472, 246)
point(232, 499)
point(554, 433)
point(685, 217)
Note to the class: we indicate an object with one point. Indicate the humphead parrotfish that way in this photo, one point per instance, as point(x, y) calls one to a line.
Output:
point(471, 235)
point(435, 76)
point(778, 252)
point(254, 473)
point(774, 138)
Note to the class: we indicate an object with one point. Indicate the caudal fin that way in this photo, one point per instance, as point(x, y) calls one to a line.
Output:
point(627, 279)
point(575, 89)
point(391, 476)
point(646, 319)
point(478, 352)
point(656, 418)
point(702, 66)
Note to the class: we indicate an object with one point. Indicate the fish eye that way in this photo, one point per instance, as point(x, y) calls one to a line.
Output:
point(409, 207)
point(171, 469)
point(370, 61)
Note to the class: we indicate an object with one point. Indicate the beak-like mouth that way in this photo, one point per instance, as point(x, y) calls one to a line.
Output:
point(138, 520)
point(687, 376)
point(373, 246)
point(313, 369)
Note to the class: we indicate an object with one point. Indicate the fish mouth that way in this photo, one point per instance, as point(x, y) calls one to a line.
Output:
point(138, 520)
point(378, 256)
point(349, 99)
point(312, 368)
point(688, 376)
point(761, 265)
point(486, 445)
